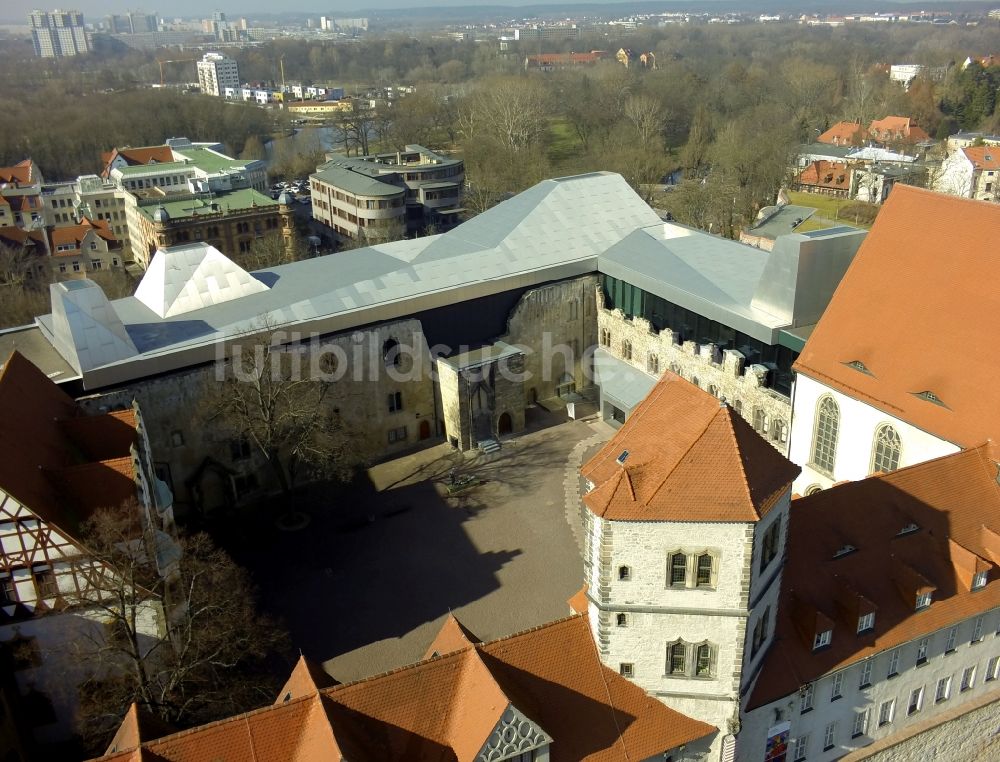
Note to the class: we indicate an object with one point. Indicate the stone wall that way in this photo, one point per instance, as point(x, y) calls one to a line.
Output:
point(475, 399)
point(722, 373)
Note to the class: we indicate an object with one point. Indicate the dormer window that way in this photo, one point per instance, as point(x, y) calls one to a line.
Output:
point(844, 550)
point(979, 579)
point(822, 639)
point(929, 396)
point(923, 601)
point(859, 366)
point(866, 622)
point(911, 527)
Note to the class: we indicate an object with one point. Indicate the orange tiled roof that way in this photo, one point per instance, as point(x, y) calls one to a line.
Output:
point(138, 726)
point(306, 679)
point(24, 203)
point(690, 458)
point(566, 58)
point(844, 134)
point(983, 157)
point(897, 126)
point(826, 174)
point(453, 636)
point(22, 173)
point(891, 313)
point(15, 236)
point(60, 467)
point(953, 501)
point(445, 709)
point(73, 235)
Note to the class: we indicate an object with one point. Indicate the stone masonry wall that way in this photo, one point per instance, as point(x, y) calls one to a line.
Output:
point(720, 372)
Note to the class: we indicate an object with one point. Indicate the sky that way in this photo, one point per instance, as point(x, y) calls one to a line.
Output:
point(18, 9)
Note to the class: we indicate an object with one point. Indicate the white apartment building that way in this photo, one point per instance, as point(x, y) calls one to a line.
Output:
point(58, 34)
point(972, 171)
point(216, 72)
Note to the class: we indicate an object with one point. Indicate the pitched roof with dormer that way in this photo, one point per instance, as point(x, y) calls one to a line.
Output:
point(547, 684)
point(22, 173)
point(683, 456)
point(917, 312)
point(828, 175)
point(897, 128)
point(983, 157)
point(74, 235)
point(870, 547)
point(844, 134)
point(136, 156)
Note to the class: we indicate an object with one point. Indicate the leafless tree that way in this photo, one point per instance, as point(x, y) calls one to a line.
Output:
point(645, 114)
point(182, 637)
point(268, 398)
point(509, 110)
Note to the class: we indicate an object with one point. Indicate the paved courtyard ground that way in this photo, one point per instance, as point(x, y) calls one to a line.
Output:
point(365, 586)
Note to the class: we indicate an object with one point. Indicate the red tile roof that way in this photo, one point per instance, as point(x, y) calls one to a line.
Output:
point(445, 708)
point(833, 175)
point(58, 463)
point(453, 636)
point(73, 235)
point(689, 458)
point(136, 156)
point(954, 504)
point(844, 134)
point(138, 726)
point(983, 157)
point(897, 128)
point(552, 59)
point(22, 173)
point(891, 313)
point(306, 679)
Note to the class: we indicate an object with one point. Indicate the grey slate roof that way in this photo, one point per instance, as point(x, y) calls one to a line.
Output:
point(558, 229)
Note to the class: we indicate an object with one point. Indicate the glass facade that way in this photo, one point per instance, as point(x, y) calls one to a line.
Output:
point(691, 326)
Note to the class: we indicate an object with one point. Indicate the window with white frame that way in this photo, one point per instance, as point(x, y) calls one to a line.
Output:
point(825, 435)
point(968, 678)
point(801, 748)
point(949, 646)
point(923, 601)
point(943, 690)
point(916, 701)
point(992, 668)
point(860, 722)
point(886, 711)
point(836, 686)
point(979, 579)
point(806, 698)
point(822, 639)
point(829, 735)
point(865, 679)
point(893, 669)
point(886, 449)
point(922, 651)
point(866, 622)
point(977, 630)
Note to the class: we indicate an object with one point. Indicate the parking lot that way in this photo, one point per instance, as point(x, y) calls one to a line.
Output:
point(366, 585)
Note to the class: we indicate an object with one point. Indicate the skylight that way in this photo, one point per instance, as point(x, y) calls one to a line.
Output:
point(620, 460)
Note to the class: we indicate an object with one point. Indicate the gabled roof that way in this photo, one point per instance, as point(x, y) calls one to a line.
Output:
point(892, 314)
point(983, 157)
point(138, 726)
point(898, 125)
point(15, 236)
point(56, 461)
point(307, 678)
point(832, 175)
point(134, 156)
point(683, 456)
point(75, 234)
point(870, 546)
point(22, 173)
point(547, 682)
point(453, 636)
point(844, 134)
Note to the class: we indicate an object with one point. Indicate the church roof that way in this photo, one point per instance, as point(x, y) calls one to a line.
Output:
point(917, 311)
point(683, 456)
point(870, 546)
point(548, 684)
point(181, 279)
point(453, 636)
point(138, 726)
point(306, 679)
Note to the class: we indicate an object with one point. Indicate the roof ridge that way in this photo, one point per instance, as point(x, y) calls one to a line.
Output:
point(728, 413)
point(333, 689)
point(528, 631)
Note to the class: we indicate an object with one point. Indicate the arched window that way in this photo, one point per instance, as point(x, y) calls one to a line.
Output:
point(812, 489)
point(885, 452)
point(738, 406)
point(677, 658)
point(713, 390)
point(779, 431)
point(704, 576)
point(624, 573)
point(703, 660)
point(678, 569)
point(627, 349)
point(391, 353)
point(825, 435)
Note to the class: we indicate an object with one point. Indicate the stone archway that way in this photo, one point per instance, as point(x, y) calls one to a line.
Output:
point(505, 424)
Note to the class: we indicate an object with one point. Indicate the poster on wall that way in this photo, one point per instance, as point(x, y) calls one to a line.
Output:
point(777, 742)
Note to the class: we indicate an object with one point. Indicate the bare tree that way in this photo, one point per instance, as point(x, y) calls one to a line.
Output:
point(509, 110)
point(645, 114)
point(182, 637)
point(267, 398)
point(16, 264)
point(271, 250)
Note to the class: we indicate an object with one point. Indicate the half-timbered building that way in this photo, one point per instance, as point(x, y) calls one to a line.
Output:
point(58, 465)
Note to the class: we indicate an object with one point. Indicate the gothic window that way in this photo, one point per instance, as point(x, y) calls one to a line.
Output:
point(885, 452)
point(779, 431)
point(703, 661)
point(626, 349)
point(653, 364)
point(677, 658)
point(704, 578)
point(678, 569)
point(391, 353)
point(825, 435)
point(738, 406)
point(769, 549)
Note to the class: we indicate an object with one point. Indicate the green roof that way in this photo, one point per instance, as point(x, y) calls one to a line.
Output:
point(210, 161)
point(145, 169)
point(202, 205)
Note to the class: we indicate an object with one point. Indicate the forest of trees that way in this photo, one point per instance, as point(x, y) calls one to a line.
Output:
point(726, 104)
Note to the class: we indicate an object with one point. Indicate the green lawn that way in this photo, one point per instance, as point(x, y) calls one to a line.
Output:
point(564, 144)
point(831, 208)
